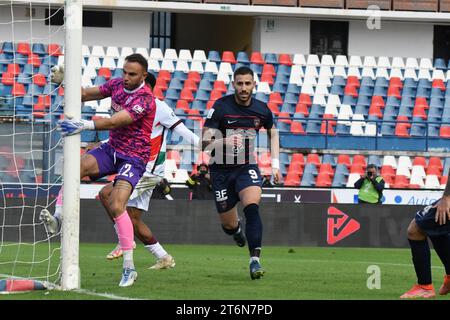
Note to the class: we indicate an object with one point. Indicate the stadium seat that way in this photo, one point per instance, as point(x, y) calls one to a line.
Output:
point(98, 51)
point(432, 182)
point(54, 50)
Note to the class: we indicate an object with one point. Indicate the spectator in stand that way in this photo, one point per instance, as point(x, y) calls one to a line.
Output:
point(370, 186)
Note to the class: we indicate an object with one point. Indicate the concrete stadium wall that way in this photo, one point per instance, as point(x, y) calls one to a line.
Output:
point(292, 35)
point(196, 222)
point(130, 28)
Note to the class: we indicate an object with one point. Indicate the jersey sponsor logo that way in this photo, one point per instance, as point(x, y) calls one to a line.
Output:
point(210, 113)
point(138, 109)
point(339, 225)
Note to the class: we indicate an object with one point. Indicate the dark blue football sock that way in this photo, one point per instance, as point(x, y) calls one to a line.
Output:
point(421, 258)
point(441, 245)
point(253, 229)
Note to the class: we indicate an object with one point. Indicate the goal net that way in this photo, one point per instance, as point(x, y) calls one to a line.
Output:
point(31, 151)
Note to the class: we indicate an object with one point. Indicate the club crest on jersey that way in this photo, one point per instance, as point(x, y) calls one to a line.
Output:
point(138, 109)
point(257, 122)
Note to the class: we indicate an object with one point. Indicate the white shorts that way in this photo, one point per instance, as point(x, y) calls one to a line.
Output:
point(142, 193)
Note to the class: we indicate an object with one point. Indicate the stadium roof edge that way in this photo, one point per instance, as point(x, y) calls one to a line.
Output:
point(209, 8)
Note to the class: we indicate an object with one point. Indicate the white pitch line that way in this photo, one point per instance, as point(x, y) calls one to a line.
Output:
point(367, 262)
point(104, 295)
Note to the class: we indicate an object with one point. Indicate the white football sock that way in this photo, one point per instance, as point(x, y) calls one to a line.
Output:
point(128, 259)
point(157, 250)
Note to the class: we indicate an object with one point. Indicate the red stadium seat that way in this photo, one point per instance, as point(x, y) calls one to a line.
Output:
point(266, 78)
point(228, 56)
point(313, 158)
point(285, 59)
point(394, 92)
point(444, 132)
point(39, 79)
point(377, 101)
point(438, 83)
point(61, 91)
point(285, 117)
point(401, 129)
point(297, 127)
point(54, 50)
point(357, 168)
point(421, 102)
point(326, 168)
point(435, 162)
point(323, 180)
point(330, 130)
point(182, 104)
point(292, 179)
point(305, 99)
point(434, 171)
point(256, 58)
point(419, 112)
point(274, 108)
point(375, 111)
point(18, 90)
point(209, 104)
point(165, 75)
point(158, 93)
point(302, 108)
point(350, 90)
point(161, 83)
point(265, 158)
point(187, 94)
point(34, 60)
point(269, 69)
point(344, 159)
point(13, 68)
point(396, 82)
point(387, 171)
point(104, 72)
point(296, 167)
point(44, 101)
point(275, 97)
point(220, 86)
point(7, 79)
point(444, 180)
point(194, 75)
point(360, 160)
point(389, 179)
point(190, 84)
point(298, 158)
point(353, 81)
point(420, 161)
point(401, 182)
point(23, 48)
point(215, 94)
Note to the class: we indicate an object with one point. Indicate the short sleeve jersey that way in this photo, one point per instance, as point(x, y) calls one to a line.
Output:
point(229, 117)
point(133, 140)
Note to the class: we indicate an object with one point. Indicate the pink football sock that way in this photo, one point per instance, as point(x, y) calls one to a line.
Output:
point(124, 231)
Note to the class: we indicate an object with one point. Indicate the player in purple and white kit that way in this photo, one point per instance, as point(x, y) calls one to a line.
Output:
point(127, 151)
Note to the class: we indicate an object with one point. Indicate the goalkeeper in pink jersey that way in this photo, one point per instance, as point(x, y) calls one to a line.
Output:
point(126, 153)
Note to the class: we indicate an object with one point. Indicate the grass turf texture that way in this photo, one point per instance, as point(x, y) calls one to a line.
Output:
point(221, 272)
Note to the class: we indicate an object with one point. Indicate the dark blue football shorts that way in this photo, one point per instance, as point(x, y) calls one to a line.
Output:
point(425, 220)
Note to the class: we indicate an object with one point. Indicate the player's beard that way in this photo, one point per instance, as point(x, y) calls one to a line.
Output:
point(243, 99)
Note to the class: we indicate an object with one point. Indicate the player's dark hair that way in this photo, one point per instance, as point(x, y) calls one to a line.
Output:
point(370, 166)
point(243, 71)
point(139, 58)
point(150, 80)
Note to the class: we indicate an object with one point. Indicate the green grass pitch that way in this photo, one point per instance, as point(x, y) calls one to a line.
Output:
point(221, 272)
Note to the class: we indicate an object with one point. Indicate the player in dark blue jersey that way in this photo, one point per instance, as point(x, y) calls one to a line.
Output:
point(431, 222)
point(229, 135)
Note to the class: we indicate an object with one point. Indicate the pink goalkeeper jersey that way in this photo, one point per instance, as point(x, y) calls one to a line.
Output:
point(134, 139)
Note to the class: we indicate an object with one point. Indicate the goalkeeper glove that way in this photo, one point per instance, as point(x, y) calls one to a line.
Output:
point(57, 75)
point(69, 127)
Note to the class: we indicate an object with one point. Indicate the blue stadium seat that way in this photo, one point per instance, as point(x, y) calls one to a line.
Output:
point(44, 69)
point(339, 81)
point(283, 69)
point(380, 91)
point(102, 135)
point(387, 129)
point(24, 78)
point(209, 76)
point(283, 126)
point(374, 159)
point(179, 112)
point(50, 61)
point(424, 83)
point(392, 101)
point(172, 94)
point(34, 89)
point(436, 93)
point(119, 72)
point(440, 64)
point(99, 81)
point(435, 112)
point(339, 180)
point(310, 168)
point(367, 82)
point(342, 129)
point(433, 130)
point(372, 117)
point(390, 114)
point(288, 107)
point(313, 127)
point(341, 169)
point(87, 110)
point(214, 56)
point(361, 109)
point(300, 117)
point(366, 91)
point(242, 57)
point(262, 96)
point(337, 89)
point(28, 69)
point(446, 166)
point(364, 100)
point(316, 111)
point(29, 101)
point(271, 58)
point(50, 89)
point(198, 105)
point(279, 87)
point(308, 180)
point(409, 92)
point(257, 68)
point(38, 48)
point(291, 98)
point(284, 158)
point(205, 84)
point(405, 111)
point(409, 83)
point(282, 78)
point(88, 136)
point(329, 158)
point(293, 88)
point(179, 75)
point(349, 100)
point(418, 129)
point(20, 59)
point(172, 103)
point(437, 102)
point(423, 92)
point(407, 102)
point(8, 47)
point(176, 84)
point(381, 82)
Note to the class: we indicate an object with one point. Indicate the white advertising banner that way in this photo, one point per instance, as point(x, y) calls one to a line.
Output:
point(402, 197)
